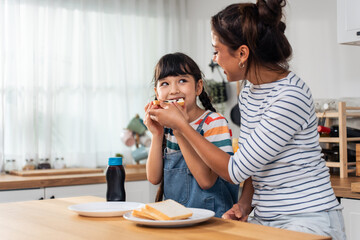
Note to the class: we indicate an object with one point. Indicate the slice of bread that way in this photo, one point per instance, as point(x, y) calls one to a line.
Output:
point(141, 213)
point(164, 210)
point(180, 101)
point(156, 102)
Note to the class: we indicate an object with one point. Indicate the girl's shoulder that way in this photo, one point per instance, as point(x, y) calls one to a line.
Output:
point(216, 130)
point(211, 118)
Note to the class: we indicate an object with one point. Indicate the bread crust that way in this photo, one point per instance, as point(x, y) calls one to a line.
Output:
point(164, 210)
point(179, 101)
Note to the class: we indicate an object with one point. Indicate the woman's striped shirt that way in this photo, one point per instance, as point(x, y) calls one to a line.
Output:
point(279, 148)
point(215, 129)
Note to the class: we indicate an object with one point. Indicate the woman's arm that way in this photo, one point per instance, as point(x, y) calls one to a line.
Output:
point(213, 156)
point(204, 176)
point(289, 113)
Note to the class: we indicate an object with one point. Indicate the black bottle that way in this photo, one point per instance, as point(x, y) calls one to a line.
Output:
point(115, 177)
point(333, 131)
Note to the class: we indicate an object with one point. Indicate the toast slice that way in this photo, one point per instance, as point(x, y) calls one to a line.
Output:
point(164, 210)
point(180, 101)
point(141, 213)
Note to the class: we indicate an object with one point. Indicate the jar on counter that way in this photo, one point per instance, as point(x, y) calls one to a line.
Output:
point(29, 165)
point(59, 163)
point(44, 164)
point(10, 165)
point(32, 162)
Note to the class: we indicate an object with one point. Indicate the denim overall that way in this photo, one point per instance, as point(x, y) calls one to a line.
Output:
point(181, 186)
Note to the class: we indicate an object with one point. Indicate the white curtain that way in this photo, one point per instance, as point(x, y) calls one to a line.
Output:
point(74, 72)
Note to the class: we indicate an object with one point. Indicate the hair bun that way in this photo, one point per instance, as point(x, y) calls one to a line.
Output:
point(270, 11)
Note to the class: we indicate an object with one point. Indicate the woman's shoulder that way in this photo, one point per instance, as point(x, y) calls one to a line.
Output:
point(292, 87)
point(293, 82)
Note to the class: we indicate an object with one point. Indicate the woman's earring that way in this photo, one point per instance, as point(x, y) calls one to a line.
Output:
point(241, 65)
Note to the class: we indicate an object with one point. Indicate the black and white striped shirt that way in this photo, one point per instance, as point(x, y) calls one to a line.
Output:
point(279, 148)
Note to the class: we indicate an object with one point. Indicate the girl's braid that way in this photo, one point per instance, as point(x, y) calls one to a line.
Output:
point(206, 102)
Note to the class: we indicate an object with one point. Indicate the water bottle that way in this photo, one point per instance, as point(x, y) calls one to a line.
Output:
point(115, 177)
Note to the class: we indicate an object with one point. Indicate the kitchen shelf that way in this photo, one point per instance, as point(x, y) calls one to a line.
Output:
point(342, 114)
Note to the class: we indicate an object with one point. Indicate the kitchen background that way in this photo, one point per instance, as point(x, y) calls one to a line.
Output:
point(74, 73)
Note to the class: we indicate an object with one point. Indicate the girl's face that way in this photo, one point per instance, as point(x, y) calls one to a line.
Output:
point(228, 62)
point(176, 87)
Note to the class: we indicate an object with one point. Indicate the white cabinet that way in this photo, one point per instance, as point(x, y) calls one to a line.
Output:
point(348, 21)
point(351, 214)
point(21, 195)
point(140, 191)
point(136, 191)
point(98, 190)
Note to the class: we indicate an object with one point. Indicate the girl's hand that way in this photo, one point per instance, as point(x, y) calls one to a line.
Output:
point(154, 127)
point(171, 115)
point(238, 212)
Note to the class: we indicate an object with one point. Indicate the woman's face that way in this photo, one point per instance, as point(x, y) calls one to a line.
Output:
point(228, 62)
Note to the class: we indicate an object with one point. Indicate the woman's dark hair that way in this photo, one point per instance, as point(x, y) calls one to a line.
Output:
point(176, 64)
point(259, 27)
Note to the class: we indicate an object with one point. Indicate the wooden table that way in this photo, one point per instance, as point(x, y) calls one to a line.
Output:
point(50, 219)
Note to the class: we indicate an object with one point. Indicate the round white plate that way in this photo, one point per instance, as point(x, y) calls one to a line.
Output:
point(199, 215)
point(104, 209)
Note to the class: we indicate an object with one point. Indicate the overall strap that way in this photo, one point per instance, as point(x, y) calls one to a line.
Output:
point(198, 129)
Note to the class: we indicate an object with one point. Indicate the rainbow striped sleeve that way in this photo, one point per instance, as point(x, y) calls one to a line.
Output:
point(217, 131)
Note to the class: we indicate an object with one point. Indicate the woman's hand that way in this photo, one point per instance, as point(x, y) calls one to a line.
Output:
point(171, 115)
point(241, 210)
point(238, 212)
point(153, 126)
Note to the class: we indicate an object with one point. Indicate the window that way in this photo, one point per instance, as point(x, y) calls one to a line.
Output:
point(73, 73)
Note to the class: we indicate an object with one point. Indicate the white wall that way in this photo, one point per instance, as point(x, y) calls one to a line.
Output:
point(330, 69)
point(200, 49)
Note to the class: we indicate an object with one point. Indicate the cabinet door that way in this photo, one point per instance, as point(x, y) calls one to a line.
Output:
point(136, 191)
point(351, 214)
point(98, 190)
point(348, 21)
point(21, 195)
point(140, 191)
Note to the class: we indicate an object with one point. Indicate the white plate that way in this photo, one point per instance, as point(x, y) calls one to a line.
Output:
point(104, 209)
point(199, 215)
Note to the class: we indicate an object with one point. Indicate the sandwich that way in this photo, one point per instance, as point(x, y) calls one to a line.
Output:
point(164, 210)
point(179, 101)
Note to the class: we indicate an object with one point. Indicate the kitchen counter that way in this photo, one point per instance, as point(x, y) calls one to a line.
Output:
point(51, 219)
point(342, 186)
point(10, 182)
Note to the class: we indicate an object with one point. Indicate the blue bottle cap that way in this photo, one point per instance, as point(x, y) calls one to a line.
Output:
point(114, 161)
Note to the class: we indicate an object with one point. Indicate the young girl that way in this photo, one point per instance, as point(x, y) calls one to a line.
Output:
point(278, 144)
point(186, 178)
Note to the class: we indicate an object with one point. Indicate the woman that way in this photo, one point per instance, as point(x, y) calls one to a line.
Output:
point(278, 143)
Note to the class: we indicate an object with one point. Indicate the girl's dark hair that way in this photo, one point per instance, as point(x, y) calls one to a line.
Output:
point(176, 64)
point(259, 27)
